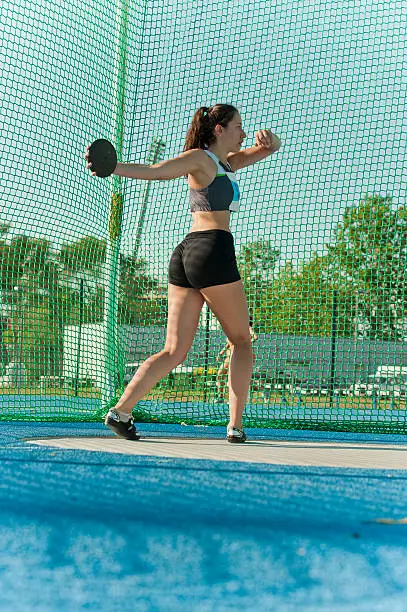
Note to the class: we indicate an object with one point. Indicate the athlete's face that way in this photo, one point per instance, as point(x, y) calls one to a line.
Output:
point(234, 134)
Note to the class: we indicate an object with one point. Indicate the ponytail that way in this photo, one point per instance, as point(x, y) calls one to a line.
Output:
point(201, 131)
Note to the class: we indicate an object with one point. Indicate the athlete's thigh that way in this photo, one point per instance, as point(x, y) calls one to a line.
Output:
point(184, 308)
point(229, 305)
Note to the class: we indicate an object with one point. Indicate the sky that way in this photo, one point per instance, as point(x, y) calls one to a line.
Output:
point(328, 77)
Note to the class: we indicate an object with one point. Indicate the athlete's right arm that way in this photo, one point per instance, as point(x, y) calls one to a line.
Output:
point(186, 163)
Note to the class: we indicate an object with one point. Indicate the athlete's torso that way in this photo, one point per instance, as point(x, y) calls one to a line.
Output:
point(211, 205)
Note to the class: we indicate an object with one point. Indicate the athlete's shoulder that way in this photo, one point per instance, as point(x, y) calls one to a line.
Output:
point(193, 152)
point(198, 154)
point(197, 159)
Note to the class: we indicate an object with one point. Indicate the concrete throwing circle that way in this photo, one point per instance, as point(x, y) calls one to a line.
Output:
point(275, 452)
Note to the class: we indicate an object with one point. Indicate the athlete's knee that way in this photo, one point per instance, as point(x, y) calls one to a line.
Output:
point(241, 340)
point(176, 354)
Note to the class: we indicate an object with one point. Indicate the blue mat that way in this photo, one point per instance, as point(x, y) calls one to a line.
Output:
point(95, 531)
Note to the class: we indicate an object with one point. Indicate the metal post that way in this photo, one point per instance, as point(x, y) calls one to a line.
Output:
point(155, 155)
point(333, 344)
point(112, 268)
point(206, 359)
point(78, 354)
point(19, 368)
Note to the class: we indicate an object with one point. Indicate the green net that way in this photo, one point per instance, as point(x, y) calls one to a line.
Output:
point(321, 235)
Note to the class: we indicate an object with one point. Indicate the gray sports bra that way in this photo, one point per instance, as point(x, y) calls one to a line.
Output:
point(222, 194)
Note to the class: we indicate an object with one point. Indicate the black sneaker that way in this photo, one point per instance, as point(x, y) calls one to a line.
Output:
point(122, 429)
point(235, 435)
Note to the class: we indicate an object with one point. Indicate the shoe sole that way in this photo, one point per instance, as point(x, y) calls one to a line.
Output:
point(236, 440)
point(120, 435)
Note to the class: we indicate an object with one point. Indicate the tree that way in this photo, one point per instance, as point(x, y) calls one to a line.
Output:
point(299, 302)
point(81, 273)
point(256, 262)
point(85, 260)
point(369, 257)
point(140, 300)
point(42, 288)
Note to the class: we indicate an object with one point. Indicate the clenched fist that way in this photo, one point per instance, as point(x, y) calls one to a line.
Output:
point(266, 138)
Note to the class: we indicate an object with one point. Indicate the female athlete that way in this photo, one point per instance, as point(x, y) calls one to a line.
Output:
point(203, 266)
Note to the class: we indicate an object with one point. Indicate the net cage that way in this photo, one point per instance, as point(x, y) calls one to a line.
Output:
point(320, 237)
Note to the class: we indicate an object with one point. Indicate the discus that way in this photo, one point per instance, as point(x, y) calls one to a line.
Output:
point(103, 157)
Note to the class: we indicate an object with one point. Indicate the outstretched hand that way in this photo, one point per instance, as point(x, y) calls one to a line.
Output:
point(88, 165)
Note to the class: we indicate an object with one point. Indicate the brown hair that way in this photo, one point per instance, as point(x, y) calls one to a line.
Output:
point(201, 131)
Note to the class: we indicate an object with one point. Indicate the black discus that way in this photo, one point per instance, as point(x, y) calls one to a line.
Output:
point(103, 157)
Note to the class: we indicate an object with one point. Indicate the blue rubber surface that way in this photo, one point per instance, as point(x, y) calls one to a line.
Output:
point(95, 531)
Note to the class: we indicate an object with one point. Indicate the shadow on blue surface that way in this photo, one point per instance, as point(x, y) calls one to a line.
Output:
point(96, 531)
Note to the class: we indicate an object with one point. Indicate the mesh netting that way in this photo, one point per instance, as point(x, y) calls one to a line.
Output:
point(321, 235)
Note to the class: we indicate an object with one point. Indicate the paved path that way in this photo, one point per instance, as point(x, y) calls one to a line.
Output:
point(331, 454)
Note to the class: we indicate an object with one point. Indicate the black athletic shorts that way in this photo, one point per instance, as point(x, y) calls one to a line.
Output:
point(204, 259)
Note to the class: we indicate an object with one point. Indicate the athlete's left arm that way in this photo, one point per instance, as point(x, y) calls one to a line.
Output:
point(266, 144)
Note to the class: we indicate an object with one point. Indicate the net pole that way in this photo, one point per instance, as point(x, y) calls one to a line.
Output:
point(112, 272)
point(78, 356)
point(334, 334)
point(155, 155)
point(206, 363)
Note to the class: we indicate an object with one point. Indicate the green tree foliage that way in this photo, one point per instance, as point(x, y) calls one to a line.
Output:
point(45, 290)
point(81, 265)
point(256, 262)
point(366, 264)
point(299, 302)
point(35, 339)
point(138, 301)
point(141, 301)
point(369, 257)
point(29, 274)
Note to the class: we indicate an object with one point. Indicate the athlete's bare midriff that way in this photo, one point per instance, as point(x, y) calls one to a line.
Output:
point(217, 219)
